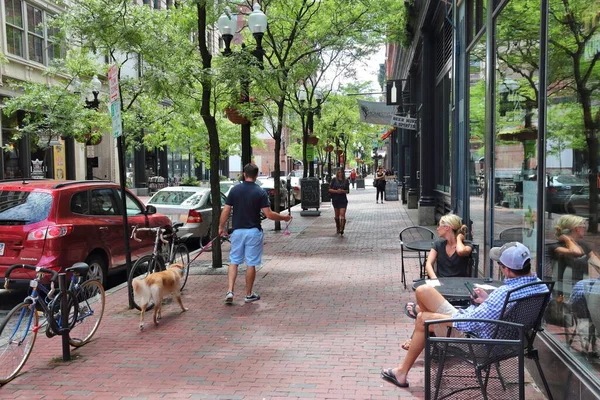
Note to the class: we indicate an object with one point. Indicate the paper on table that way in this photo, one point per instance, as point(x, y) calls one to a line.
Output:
point(432, 282)
point(485, 287)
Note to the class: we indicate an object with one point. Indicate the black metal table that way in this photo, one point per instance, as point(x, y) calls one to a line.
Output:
point(420, 246)
point(454, 289)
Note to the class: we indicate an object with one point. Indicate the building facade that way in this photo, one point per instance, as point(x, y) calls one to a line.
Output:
point(507, 97)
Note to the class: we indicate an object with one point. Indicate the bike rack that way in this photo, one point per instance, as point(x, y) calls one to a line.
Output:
point(64, 309)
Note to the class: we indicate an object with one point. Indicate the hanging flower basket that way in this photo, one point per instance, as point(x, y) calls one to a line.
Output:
point(312, 140)
point(329, 148)
point(235, 117)
point(361, 161)
point(339, 152)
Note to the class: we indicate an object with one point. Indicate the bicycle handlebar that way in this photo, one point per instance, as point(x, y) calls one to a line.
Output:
point(30, 267)
point(159, 230)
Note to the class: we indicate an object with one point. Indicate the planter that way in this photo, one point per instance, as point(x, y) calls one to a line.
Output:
point(235, 117)
point(312, 140)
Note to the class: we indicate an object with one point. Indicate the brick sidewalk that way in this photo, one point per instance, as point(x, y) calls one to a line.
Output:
point(329, 319)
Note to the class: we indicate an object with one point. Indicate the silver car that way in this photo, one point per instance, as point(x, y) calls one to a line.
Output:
point(191, 205)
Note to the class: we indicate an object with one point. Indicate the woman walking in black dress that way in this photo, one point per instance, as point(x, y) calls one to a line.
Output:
point(338, 188)
point(380, 184)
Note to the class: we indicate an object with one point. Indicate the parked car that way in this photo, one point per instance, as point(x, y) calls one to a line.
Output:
point(296, 195)
point(226, 186)
point(55, 224)
point(559, 188)
point(579, 203)
point(191, 205)
point(268, 184)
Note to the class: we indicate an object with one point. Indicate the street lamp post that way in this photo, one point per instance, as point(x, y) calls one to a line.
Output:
point(310, 122)
point(257, 23)
point(93, 104)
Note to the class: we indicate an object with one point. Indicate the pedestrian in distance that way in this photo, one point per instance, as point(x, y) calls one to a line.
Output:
point(380, 184)
point(338, 188)
point(353, 177)
point(514, 260)
point(247, 201)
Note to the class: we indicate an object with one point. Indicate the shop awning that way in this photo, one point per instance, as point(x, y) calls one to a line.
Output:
point(388, 133)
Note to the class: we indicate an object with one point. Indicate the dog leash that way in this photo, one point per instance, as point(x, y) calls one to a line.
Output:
point(286, 231)
point(205, 247)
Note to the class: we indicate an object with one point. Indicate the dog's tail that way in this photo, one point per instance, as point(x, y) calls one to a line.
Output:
point(141, 292)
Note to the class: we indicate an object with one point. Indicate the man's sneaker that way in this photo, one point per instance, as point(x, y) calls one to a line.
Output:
point(251, 298)
point(229, 298)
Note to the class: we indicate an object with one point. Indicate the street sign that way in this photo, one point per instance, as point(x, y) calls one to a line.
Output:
point(115, 116)
point(404, 122)
point(113, 82)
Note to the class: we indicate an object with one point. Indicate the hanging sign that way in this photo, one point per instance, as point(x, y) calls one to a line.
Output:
point(115, 103)
point(404, 122)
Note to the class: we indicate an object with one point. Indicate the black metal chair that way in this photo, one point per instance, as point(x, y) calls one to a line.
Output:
point(515, 234)
point(410, 234)
point(465, 364)
point(473, 267)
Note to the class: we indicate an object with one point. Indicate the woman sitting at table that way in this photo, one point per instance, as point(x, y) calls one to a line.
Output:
point(451, 253)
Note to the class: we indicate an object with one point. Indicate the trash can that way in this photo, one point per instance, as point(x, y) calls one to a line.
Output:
point(391, 191)
point(360, 183)
point(325, 195)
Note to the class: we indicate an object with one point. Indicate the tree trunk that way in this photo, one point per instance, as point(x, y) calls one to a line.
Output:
point(213, 135)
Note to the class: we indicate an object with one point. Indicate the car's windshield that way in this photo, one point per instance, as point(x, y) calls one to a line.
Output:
point(20, 208)
point(569, 179)
point(171, 197)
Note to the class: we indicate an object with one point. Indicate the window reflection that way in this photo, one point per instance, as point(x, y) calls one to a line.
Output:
point(516, 131)
point(572, 176)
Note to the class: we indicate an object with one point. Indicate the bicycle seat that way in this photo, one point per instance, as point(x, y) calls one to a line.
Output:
point(79, 268)
point(177, 225)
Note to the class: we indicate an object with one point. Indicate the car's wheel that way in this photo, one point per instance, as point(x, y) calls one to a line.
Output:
point(204, 240)
point(98, 269)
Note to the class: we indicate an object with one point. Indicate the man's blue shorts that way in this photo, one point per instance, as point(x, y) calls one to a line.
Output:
point(246, 243)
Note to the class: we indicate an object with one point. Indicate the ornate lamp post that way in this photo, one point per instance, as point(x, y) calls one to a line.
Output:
point(93, 104)
point(257, 23)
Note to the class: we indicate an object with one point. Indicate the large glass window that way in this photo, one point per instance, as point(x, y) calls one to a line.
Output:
point(515, 177)
point(476, 136)
point(27, 35)
point(572, 178)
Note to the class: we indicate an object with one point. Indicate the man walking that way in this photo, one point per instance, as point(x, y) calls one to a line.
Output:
point(247, 200)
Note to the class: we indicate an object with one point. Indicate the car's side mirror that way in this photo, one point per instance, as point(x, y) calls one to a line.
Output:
point(150, 210)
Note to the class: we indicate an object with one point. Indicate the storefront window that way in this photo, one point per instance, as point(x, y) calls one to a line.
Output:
point(476, 135)
point(515, 191)
point(572, 179)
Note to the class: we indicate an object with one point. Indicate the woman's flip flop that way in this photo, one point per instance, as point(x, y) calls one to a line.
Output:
point(410, 313)
point(389, 376)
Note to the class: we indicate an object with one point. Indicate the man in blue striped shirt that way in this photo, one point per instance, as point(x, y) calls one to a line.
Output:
point(514, 260)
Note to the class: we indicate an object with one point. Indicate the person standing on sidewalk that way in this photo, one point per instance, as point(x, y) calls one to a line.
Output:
point(338, 188)
point(380, 184)
point(247, 200)
point(353, 177)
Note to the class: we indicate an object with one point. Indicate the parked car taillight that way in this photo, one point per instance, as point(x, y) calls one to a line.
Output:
point(297, 188)
point(271, 192)
point(194, 217)
point(50, 232)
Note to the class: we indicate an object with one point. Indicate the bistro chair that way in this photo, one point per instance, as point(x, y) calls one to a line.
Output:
point(461, 367)
point(515, 234)
point(412, 234)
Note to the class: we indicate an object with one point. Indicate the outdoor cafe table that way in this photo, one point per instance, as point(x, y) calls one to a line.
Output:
point(454, 289)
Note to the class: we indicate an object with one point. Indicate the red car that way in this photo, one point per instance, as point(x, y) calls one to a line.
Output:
point(55, 224)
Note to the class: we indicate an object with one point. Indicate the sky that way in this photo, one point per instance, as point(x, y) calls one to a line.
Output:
point(368, 70)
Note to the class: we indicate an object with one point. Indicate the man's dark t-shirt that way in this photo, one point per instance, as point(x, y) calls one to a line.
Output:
point(247, 199)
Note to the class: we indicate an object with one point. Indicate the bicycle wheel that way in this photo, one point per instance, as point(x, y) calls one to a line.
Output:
point(54, 315)
point(141, 269)
point(182, 256)
point(90, 297)
point(17, 337)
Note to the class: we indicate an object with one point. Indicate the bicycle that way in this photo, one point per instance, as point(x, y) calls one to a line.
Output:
point(154, 262)
point(19, 330)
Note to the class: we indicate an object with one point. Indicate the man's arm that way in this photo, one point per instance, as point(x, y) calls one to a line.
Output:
point(223, 219)
point(272, 215)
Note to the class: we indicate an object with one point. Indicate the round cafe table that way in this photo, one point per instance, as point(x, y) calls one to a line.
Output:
point(454, 289)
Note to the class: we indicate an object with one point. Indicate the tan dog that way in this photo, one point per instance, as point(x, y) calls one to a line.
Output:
point(155, 287)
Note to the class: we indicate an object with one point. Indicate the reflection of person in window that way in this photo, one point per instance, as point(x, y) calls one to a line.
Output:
point(571, 250)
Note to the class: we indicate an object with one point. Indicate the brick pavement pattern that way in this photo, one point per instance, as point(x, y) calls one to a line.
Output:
point(329, 319)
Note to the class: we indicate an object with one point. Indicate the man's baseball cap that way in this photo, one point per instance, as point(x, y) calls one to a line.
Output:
point(512, 255)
